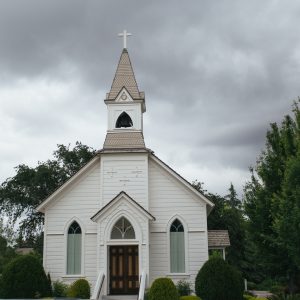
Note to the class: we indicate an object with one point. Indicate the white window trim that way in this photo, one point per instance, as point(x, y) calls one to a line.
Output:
point(186, 240)
point(83, 231)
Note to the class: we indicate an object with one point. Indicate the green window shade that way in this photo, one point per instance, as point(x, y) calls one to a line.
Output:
point(74, 249)
point(177, 247)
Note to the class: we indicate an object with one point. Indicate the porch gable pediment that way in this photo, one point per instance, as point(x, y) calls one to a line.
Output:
point(122, 197)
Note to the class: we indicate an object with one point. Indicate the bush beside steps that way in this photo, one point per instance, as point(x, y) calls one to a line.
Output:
point(163, 289)
point(79, 289)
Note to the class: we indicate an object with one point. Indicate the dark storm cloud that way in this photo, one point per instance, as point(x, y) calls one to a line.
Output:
point(215, 73)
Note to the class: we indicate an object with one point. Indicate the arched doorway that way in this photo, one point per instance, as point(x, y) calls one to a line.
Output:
point(123, 260)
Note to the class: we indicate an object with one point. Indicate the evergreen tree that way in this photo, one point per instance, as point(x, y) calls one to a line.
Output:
point(272, 202)
point(228, 215)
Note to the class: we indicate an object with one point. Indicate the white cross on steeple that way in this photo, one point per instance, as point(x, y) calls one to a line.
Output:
point(124, 35)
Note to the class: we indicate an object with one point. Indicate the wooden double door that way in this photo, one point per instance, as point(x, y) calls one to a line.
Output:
point(124, 270)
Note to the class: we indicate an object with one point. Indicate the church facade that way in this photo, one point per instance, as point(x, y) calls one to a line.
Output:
point(126, 212)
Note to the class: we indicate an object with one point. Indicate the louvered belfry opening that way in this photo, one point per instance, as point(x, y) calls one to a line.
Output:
point(124, 121)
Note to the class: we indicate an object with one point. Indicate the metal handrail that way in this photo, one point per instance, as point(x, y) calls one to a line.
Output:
point(98, 286)
point(142, 286)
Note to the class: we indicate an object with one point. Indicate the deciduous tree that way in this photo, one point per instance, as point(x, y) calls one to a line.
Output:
point(21, 194)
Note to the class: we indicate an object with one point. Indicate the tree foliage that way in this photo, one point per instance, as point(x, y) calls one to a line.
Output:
point(228, 215)
point(272, 201)
point(163, 289)
point(21, 194)
point(217, 280)
point(7, 253)
point(24, 277)
point(79, 289)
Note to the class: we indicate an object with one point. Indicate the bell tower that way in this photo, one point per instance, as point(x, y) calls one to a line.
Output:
point(125, 107)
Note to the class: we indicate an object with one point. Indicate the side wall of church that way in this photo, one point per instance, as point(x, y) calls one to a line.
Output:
point(78, 202)
point(168, 200)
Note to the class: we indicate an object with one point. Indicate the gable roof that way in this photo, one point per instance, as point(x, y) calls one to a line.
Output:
point(187, 184)
point(71, 180)
point(124, 77)
point(45, 202)
point(116, 199)
point(218, 238)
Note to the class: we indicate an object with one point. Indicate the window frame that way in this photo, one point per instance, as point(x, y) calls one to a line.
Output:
point(186, 253)
point(122, 238)
point(82, 272)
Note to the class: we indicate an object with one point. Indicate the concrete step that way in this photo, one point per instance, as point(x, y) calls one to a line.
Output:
point(120, 297)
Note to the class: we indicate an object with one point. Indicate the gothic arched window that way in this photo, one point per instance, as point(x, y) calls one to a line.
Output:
point(122, 230)
point(124, 120)
point(177, 247)
point(74, 249)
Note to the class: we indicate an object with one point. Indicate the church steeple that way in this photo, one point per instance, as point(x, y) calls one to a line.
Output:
point(125, 105)
point(124, 78)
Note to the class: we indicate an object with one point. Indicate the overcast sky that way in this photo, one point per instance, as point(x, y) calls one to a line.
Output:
point(215, 74)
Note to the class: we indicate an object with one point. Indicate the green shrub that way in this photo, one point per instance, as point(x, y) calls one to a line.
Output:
point(59, 289)
point(24, 277)
point(217, 280)
point(163, 289)
point(190, 298)
point(79, 289)
point(183, 288)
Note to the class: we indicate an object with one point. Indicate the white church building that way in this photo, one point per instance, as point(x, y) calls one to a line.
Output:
point(126, 217)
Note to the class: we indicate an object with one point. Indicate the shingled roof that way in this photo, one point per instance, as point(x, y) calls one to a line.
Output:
point(124, 140)
point(218, 239)
point(124, 77)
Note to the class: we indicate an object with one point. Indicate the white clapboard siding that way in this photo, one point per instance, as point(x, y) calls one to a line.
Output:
point(55, 256)
point(198, 253)
point(91, 258)
point(128, 173)
point(158, 255)
point(81, 200)
point(168, 199)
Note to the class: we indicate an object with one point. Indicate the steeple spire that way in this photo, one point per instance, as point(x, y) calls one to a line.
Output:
point(124, 78)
